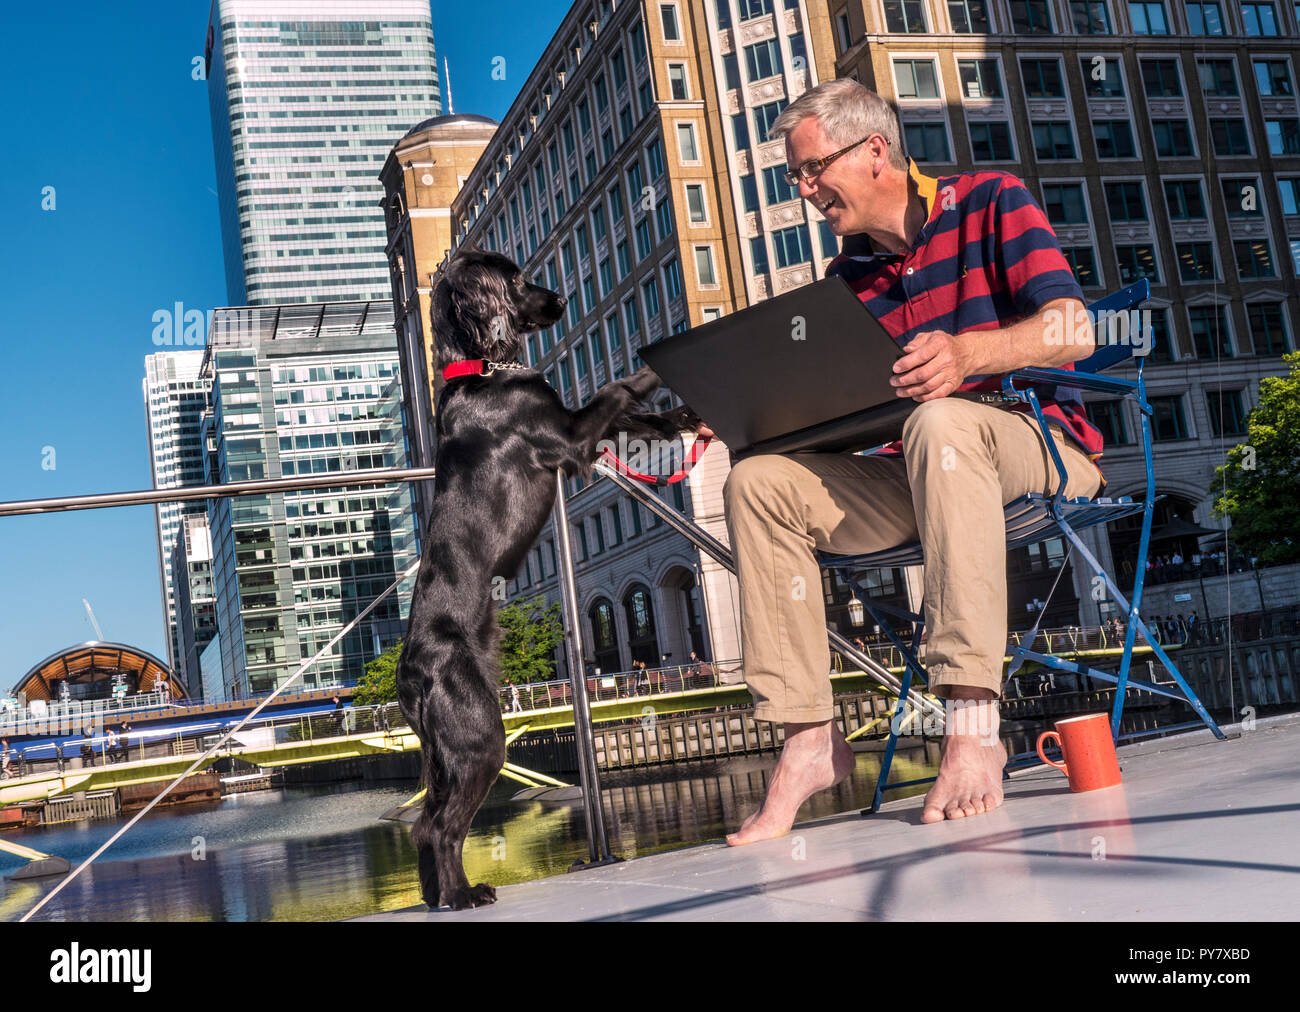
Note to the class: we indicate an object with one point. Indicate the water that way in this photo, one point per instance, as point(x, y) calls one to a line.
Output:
point(322, 853)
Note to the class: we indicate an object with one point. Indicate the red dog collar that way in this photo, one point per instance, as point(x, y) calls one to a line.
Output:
point(469, 367)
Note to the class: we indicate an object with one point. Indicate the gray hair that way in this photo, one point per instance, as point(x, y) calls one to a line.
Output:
point(848, 112)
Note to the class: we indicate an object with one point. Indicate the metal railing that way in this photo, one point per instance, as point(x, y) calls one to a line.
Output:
point(622, 685)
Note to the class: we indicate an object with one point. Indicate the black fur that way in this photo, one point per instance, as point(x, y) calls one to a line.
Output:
point(501, 439)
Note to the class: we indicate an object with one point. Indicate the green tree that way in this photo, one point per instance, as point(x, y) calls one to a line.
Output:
point(530, 632)
point(1259, 487)
point(379, 682)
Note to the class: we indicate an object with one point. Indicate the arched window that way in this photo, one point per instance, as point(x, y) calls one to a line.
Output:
point(641, 625)
point(604, 635)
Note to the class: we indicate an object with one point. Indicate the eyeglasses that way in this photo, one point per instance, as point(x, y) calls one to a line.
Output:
point(816, 166)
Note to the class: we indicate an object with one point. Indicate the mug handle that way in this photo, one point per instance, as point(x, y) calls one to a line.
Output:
point(1042, 738)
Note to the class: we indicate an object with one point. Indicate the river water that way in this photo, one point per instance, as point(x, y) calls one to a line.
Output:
point(322, 853)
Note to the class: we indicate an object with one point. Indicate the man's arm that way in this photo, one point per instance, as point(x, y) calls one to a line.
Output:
point(938, 363)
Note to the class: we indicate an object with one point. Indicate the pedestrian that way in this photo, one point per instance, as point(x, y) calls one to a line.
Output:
point(5, 769)
point(110, 749)
point(515, 705)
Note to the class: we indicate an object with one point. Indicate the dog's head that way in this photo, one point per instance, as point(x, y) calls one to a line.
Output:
point(483, 304)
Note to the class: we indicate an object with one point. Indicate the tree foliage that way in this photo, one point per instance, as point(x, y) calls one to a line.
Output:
point(379, 683)
point(1259, 487)
point(530, 632)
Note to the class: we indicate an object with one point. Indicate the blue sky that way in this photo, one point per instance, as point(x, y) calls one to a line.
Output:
point(100, 105)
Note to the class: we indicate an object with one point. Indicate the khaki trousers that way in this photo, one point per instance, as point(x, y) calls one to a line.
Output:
point(961, 463)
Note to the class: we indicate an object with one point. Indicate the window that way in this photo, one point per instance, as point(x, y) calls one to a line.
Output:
point(1273, 77)
point(704, 272)
point(1108, 417)
point(1173, 138)
point(623, 259)
point(664, 218)
point(1229, 137)
point(1162, 346)
point(632, 314)
point(606, 278)
point(1042, 78)
point(695, 204)
point(1136, 263)
point(613, 330)
point(1184, 199)
point(1114, 138)
point(1053, 140)
point(778, 190)
point(655, 152)
point(597, 347)
point(588, 294)
point(1254, 258)
point(1259, 18)
point(566, 258)
point(916, 79)
point(668, 18)
point(1267, 327)
point(731, 68)
point(645, 97)
point(765, 116)
point(677, 81)
point(1101, 78)
point(580, 360)
point(905, 16)
point(1030, 17)
point(1167, 421)
point(1209, 332)
point(1204, 18)
point(1064, 205)
point(1090, 17)
point(969, 17)
point(1283, 136)
point(980, 78)
point(635, 181)
point(1083, 264)
point(650, 289)
point(580, 234)
point(1289, 191)
point(616, 202)
point(1227, 417)
point(792, 246)
point(740, 128)
point(1195, 261)
point(673, 279)
point(598, 222)
point(626, 124)
point(927, 142)
point(843, 31)
point(644, 241)
point(750, 9)
point(686, 148)
point(991, 142)
point(1217, 77)
point(830, 242)
point(1160, 79)
point(762, 59)
point(1148, 17)
point(616, 524)
point(749, 191)
point(758, 253)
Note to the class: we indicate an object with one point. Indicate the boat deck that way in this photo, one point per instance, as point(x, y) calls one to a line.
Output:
point(1199, 830)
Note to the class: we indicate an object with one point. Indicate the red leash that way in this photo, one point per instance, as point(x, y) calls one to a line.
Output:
point(476, 367)
point(692, 458)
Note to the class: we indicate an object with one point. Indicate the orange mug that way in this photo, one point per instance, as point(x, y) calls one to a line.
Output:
point(1088, 751)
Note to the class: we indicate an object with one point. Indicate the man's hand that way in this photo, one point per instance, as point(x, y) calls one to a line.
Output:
point(935, 364)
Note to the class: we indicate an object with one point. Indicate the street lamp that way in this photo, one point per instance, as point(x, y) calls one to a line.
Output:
point(856, 611)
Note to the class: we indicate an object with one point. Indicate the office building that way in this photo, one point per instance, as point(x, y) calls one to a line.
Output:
point(304, 390)
point(196, 607)
point(174, 399)
point(307, 97)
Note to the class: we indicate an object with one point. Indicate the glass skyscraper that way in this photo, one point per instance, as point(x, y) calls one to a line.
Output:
point(307, 98)
point(304, 390)
point(174, 398)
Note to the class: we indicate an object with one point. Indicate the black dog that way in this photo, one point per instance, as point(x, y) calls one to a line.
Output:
point(502, 436)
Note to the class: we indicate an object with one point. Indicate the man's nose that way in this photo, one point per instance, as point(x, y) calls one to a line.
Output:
point(807, 190)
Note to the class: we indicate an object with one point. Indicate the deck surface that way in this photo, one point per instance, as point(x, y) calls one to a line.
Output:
point(1199, 830)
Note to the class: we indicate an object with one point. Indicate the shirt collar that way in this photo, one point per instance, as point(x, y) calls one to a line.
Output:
point(927, 187)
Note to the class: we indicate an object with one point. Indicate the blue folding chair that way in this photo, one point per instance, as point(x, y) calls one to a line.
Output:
point(1036, 517)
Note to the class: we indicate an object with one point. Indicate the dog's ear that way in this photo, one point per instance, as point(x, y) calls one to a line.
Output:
point(482, 304)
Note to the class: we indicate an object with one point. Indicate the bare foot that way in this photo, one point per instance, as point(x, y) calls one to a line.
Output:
point(815, 757)
point(970, 773)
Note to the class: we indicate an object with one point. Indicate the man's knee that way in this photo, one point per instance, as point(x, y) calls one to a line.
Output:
point(938, 421)
point(751, 481)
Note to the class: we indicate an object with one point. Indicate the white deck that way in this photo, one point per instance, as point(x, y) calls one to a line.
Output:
point(1199, 830)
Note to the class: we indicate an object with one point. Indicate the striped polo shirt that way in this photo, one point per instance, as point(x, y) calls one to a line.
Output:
point(985, 258)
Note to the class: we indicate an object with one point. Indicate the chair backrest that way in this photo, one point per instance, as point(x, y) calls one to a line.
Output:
point(1118, 347)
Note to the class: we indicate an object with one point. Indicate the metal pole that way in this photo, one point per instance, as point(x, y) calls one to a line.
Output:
point(334, 479)
point(588, 776)
point(705, 542)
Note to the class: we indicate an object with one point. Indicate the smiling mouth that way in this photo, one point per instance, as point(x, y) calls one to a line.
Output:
point(826, 206)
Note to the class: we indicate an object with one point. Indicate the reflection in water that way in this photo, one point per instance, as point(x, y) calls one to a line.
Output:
point(322, 853)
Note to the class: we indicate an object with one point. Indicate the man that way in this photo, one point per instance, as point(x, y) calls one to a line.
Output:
point(966, 274)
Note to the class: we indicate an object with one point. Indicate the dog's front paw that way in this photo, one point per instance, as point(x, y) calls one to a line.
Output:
point(684, 419)
point(471, 896)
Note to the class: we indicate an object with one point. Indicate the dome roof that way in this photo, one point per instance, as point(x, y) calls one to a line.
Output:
point(460, 117)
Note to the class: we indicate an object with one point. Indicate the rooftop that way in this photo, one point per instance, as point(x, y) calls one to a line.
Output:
point(1199, 830)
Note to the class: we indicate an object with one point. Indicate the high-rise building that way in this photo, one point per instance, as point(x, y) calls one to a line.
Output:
point(196, 607)
point(174, 398)
point(1163, 141)
point(307, 97)
point(304, 390)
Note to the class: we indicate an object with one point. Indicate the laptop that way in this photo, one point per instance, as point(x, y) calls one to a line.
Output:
point(807, 371)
